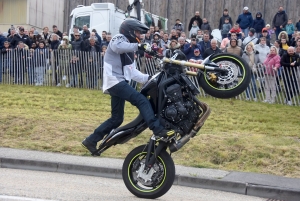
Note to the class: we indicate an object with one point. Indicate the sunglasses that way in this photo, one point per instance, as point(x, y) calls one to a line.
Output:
point(76, 35)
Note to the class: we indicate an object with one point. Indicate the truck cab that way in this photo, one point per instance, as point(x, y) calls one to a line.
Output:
point(105, 17)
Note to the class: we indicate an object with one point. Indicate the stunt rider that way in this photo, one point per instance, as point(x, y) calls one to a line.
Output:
point(119, 69)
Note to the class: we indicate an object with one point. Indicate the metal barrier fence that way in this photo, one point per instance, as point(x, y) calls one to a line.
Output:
point(68, 68)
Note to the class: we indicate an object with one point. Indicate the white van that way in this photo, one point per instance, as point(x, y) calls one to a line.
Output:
point(107, 17)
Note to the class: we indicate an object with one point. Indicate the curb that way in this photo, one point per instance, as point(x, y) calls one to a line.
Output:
point(257, 190)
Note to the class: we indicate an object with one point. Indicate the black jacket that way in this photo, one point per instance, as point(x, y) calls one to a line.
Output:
point(200, 22)
point(77, 44)
point(54, 44)
point(287, 59)
point(17, 38)
point(210, 51)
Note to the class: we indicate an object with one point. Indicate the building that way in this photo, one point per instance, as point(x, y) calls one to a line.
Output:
point(31, 13)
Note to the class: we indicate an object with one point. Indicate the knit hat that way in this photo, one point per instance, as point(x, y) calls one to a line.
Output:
point(264, 30)
point(196, 50)
point(66, 38)
point(246, 8)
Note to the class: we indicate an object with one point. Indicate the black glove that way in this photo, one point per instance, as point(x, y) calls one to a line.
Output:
point(145, 47)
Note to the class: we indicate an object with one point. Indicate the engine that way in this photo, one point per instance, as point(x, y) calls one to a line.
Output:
point(181, 112)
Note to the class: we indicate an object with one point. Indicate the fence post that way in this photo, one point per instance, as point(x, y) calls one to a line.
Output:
point(53, 68)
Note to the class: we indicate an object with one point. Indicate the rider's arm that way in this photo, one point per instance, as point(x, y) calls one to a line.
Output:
point(120, 45)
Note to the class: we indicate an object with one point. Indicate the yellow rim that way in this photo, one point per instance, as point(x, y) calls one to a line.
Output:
point(146, 191)
point(233, 59)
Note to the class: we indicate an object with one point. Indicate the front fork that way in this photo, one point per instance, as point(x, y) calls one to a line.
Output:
point(152, 152)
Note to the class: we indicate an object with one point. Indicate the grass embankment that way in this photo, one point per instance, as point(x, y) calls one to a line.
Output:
point(238, 135)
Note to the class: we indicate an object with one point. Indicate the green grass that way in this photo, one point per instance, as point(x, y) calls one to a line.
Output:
point(238, 135)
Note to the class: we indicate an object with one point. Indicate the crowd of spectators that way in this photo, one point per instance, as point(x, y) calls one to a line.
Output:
point(246, 37)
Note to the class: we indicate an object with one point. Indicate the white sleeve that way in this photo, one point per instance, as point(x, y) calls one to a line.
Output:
point(131, 73)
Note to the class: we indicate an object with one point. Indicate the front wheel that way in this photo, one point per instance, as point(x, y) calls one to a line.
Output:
point(149, 185)
point(229, 84)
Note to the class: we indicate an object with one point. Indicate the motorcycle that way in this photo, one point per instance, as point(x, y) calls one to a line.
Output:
point(148, 170)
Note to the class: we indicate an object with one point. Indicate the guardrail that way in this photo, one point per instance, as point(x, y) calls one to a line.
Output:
point(68, 68)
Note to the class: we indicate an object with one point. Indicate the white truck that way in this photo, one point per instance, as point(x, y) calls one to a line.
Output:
point(107, 17)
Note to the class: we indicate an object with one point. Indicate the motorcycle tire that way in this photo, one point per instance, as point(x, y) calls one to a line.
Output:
point(231, 84)
point(161, 179)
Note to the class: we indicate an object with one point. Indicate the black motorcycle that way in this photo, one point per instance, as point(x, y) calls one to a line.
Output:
point(148, 170)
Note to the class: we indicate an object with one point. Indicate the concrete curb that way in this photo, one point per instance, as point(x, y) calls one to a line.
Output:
point(196, 182)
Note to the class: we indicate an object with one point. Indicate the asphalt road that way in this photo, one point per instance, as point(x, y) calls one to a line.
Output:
point(28, 185)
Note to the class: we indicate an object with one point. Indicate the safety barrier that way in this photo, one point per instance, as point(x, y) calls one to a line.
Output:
point(68, 68)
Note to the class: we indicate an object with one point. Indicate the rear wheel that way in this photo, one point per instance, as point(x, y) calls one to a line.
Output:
point(229, 84)
point(149, 185)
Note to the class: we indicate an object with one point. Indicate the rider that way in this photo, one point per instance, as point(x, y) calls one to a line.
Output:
point(119, 69)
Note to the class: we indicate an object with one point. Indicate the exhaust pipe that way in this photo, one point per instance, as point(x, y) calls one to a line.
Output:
point(180, 143)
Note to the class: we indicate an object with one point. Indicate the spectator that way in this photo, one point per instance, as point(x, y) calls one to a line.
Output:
point(93, 70)
point(104, 33)
point(199, 36)
point(147, 38)
point(272, 64)
point(11, 35)
point(156, 29)
point(182, 43)
point(196, 58)
point(204, 44)
point(245, 21)
point(283, 46)
point(75, 31)
point(77, 43)
point(6, 55)
point(57, 32)
point(279, 21)
point(263, 49)
point(265, 34)
point(290, 29)
point(98, 37)
point(64, 60)
point(258, 24)
point(183, 35)
point(152, 31)
point(20, 62)
point(108, 38)
point(2, 40)
point(45, 36)
point(225, 42)
point(161, 33)
point(173, 35)
point(236, 29)
point(197, 18)
point(173, 45)
point(205, 26)
point(212, 50)
point(194, 29)
point(235, 36)
point(164, 43)
point(223, 18)
point(251, 56)
point(156, 39)
point(233, 48)
point(250, 38)
point(190, 47)
point(178, 26)
point(270, 31)
point(85, 33)
point(290, 61)
point(226, 27)
point(40, 58)
point(297, 50)
point(298, 25)
point(20, 37)
point(294, 40)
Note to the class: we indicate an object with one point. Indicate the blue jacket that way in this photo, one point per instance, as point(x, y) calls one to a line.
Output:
point(258, 23)
point(189, 51)
point(204, 45)
point(2, 40)
point(245, 20)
